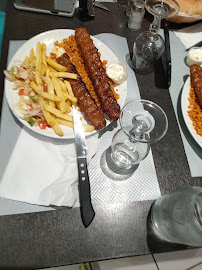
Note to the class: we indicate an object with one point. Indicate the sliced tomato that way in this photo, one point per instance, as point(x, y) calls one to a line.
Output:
point(21, 92)
point(43, 124)
point(45, 89)
point(30, 107)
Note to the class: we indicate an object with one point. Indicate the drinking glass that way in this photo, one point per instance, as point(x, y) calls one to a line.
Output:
point(149, 45)
point(177, 217)
point(141, 122)
point(136, 15)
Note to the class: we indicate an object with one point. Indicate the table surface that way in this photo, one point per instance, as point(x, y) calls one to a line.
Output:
point(45, 239)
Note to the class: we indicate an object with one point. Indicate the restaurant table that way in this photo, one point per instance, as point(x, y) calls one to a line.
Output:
point(54, 238)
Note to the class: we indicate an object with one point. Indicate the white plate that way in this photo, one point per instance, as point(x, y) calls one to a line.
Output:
point(184, 106)
point(49, 38)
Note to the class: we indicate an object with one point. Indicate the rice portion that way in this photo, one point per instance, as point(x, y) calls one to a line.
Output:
point(70, 46)
point(195, 112)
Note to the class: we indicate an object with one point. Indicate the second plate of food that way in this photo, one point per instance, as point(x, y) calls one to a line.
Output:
point(185, 103)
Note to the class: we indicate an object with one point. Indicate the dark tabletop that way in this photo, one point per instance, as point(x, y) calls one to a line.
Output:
point(53, 238)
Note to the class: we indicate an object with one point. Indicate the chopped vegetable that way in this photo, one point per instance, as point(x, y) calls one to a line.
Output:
point(21, 92)
point(30, 120)
point(34, 98)
point(43, 124)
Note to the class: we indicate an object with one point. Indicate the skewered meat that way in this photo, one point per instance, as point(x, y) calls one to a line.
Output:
point(97, 74)
point(91, 112)
point(196, 81)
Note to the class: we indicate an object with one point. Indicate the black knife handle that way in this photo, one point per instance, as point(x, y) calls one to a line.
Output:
point(167, 51)
point(87, 211)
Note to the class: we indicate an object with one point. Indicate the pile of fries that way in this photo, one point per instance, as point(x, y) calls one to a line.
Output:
point(58, 98)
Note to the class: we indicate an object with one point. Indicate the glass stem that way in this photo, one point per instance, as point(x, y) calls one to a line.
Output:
point(154, 28)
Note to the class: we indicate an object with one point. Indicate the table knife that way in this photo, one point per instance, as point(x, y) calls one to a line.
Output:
point(167, 52)
point(99, 5)
point(86, 208)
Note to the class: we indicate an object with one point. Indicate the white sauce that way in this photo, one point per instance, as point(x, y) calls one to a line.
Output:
point(117, 73)
point(194, 56)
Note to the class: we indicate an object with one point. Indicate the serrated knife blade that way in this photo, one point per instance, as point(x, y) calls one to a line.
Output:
point(86, 208)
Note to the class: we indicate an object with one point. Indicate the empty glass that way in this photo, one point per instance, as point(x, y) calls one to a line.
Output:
point(149, 45)
point(142, 122)
point(136, 15)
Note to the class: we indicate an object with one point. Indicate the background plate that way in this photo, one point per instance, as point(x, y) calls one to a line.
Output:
point(49, 38)
point(184, 106)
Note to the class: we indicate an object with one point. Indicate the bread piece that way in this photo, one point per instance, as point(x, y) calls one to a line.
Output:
point(190, 7)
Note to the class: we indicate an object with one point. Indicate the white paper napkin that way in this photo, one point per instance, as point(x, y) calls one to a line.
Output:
point(190, 35)
point(43, 171)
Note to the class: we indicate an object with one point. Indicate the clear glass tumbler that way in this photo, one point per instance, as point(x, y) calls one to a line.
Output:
point(177, 217)
point(125, 153)
point(137, 11)
point(142, 122)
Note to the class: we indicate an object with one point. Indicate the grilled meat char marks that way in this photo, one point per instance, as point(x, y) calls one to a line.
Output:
point(87, 105)
point(196, 81)
point(97, 74)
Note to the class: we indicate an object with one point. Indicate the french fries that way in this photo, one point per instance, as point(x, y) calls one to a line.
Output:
point(65, 122)
point(50, 91)
point(31, 55)
point(58, 113)
point(66, 75)
point(55, 96)
point(61, 105)
point(55, 65)
point(26, 62)
point(69, 89)
point(62, 85)
point(38, 79)
point(87, 128)
point(38, 58)
point(58, 129)
point(44, 94)
point(51, 69)
point(43, 54)
point(43, 59)
point(69, 97)
point(49, 118)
